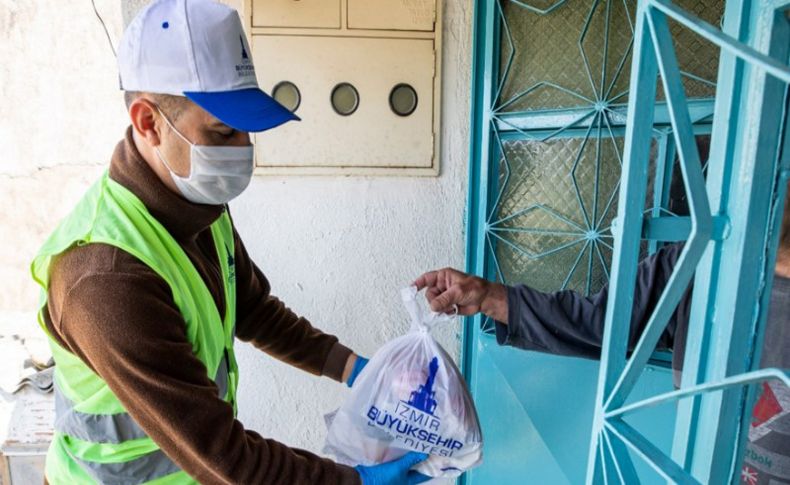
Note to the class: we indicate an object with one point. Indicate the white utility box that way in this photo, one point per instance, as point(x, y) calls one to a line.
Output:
point(364, 77)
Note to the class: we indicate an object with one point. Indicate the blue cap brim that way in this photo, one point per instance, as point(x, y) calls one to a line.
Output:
point(248, 109)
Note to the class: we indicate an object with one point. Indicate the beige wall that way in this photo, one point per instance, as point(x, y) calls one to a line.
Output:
point(60, 116)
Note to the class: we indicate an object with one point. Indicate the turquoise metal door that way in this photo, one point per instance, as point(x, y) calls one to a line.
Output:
point(551, 90)
point(730, 251)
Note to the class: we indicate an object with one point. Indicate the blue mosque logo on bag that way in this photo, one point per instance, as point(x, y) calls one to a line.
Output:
point(414, 423)
point(423, 398)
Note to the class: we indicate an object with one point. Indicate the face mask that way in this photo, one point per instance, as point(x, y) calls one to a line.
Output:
point(217, 174)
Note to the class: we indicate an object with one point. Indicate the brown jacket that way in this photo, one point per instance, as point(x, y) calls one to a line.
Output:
point(119, 317)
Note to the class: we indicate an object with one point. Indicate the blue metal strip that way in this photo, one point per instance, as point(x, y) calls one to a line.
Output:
point(735, 381)
point(483, 73)
point(656, 458)
point(679, 228)
point(777, 68)
point(626, 254)
point(665, 160)
point(727, 106)
point(738, 317)
point(699, 109)
point(781, 194)
point(701, 220)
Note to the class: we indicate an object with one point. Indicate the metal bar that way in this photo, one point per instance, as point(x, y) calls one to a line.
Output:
point(665, 159)
point(678, 228)
point(502, 155)
point(649, 452)
point(510, 58)
point(604, 461)
point(701, 220)
point(658, 187)
point(525, 121)
point(605, 48)
point(498, 270)
point(777, 210)
point(537, 10)
point(602, 260)
point(698, 79)
point(597, 181)
point(608, 445)
point(532, 230)
point(727, 107)
point(587, 69)
point(483, 65)
point(616, 188)
point(624, 469)
point(639, 132)
point(534, 256)
point(588, 284)
point(577, 191)
point(541, 84)
point(711, 33)
point(760, 142)
point(738, 380)
point(551, 134)
point(545, 208)
point(574, 266)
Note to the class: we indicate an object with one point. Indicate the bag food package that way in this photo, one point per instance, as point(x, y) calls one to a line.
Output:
point(409, 397)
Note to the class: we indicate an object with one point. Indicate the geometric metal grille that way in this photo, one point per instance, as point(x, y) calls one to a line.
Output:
point(553, 92)
point(708, 425)
point(557, 119)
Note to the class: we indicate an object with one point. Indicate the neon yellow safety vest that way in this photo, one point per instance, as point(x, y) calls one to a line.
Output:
point(95, 439)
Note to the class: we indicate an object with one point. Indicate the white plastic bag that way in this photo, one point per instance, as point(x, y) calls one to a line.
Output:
point(409, 397)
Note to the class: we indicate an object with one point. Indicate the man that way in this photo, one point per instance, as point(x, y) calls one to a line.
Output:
point(567, 323)
point(147, 283)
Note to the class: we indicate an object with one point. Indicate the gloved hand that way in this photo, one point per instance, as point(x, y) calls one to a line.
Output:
point(359, 364)
point(395, 472)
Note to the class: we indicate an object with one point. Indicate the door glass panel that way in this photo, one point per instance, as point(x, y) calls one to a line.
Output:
point(579, 54)
point(557, 204)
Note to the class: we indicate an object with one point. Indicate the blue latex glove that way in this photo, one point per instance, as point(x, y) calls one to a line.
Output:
point(359, 364)
point(395, 472)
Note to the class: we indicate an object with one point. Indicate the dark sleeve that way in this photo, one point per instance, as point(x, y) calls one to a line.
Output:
point(127, 329)
point(272, 327)
point(568, 323)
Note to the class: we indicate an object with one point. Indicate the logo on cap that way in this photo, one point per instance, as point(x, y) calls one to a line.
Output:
point(246, 68)
point(243, 50)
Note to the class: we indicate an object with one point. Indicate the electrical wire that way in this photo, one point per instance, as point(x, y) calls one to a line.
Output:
point(106, 32)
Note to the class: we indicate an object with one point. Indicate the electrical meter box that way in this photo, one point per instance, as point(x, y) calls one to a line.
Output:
point(363, 76)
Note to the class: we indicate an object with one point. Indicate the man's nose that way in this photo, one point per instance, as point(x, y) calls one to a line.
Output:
point(241, 138)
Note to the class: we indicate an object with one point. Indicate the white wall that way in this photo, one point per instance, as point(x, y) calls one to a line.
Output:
point(61, 113)
point(336, 249)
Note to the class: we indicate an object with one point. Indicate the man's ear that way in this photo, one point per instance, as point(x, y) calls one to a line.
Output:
point(146, 120)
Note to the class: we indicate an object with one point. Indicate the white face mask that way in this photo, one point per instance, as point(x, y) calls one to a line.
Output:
point(217, 174)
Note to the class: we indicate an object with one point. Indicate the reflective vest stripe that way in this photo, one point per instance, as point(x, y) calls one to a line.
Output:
point(221, 380)
point(140, 470)
point(111, 428)
point(96, 428)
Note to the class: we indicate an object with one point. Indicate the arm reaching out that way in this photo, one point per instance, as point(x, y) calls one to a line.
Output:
point(448, 287)
point(562, 322)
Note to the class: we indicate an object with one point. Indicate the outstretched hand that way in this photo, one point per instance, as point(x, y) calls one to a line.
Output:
point(448, 288)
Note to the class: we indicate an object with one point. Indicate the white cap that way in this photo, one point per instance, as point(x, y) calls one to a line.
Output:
point(197, 49)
